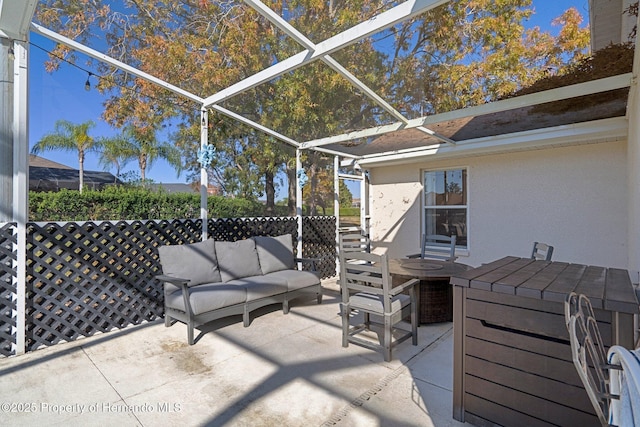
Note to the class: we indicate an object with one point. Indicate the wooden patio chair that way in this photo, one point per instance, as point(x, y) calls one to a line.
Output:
point(366, 288)
point(438, 247)
point(354, 242)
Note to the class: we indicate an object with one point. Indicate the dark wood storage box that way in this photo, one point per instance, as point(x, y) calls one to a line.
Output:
point(512, 357)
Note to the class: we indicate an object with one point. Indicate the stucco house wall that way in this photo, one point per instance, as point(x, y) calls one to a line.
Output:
point(574, 198)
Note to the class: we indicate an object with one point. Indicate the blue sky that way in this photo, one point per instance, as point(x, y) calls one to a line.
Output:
point(61, 95)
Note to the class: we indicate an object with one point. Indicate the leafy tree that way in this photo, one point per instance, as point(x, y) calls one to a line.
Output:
point(462, 53)
point(346, 198)
point(468, 53)
point(70, 137)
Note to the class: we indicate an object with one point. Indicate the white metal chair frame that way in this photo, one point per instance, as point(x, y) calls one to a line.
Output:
point(366, 287)
point(589, 354)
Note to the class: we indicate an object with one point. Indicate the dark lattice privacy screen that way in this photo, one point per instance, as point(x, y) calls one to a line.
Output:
point(7, 288)
point(90, 277)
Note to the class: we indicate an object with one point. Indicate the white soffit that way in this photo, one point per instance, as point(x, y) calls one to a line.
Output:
point(597, 131)
point(15, 18)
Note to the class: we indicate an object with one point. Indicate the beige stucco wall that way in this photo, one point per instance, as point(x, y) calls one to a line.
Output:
point(573, 198)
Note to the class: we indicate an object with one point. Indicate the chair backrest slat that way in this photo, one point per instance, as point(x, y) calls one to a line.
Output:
point(365, 272)
point(354, 242)
point(372, 279)
point(438, 246)
point(541, 251)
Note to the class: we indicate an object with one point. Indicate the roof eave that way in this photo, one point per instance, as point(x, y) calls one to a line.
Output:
point(15, 18)
point(597, 131)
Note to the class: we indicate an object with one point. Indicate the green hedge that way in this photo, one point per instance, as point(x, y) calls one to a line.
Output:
point(131, 203)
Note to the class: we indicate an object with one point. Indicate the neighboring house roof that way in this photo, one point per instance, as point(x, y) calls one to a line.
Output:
point(54, 179)
point(45, 163)
point(174, 188)
point(46, 175)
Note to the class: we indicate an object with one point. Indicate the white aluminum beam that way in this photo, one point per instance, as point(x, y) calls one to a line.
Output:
point(333, 64)
point(336, 208)
point(20, 135)
point(254, 125)
point(580, 89)
point(299, 206)
point(52, 35)
point(204, 176)
point(134, 71)
point(358, 32)
point(336, 153)
point(350, 176)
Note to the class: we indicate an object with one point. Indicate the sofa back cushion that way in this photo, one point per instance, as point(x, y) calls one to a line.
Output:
point(275, 253)
point(238, 259)
point(194, 261)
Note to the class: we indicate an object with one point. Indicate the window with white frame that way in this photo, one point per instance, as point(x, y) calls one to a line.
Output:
point(445, 204)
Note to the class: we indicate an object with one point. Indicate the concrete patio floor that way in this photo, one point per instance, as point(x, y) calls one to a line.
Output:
point(284, 370)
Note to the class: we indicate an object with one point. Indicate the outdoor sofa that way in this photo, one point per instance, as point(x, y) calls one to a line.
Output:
point(211, 279)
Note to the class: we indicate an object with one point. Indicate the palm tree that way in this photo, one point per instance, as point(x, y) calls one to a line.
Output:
point(69, 137)
point(114, 153)
point(142, 145)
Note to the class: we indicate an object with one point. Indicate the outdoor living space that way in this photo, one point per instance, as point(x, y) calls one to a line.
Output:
point(298, 123)
point(283, 370)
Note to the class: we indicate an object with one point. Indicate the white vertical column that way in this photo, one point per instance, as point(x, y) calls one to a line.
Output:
point(364, 204)
point(204, 177)
point(633, 172)
point(336, 206)
point(299, 201)
point(7, 143)
point(21, 181)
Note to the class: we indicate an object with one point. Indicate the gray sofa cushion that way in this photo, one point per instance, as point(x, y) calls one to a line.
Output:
point(208, 297)
point(261, 286)
point(237, 259)
point(194, 261)
point(295, 279)
point(275, 253)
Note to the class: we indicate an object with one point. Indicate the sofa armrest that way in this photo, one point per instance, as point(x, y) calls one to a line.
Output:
point(173, 280)
point(311, 261)
point(183, 284)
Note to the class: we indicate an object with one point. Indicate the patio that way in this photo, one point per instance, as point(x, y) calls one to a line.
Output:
point(282, 370)
point(292, 370)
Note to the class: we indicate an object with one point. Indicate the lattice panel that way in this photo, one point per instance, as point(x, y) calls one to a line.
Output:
point(319, 241)
point(90, 277)
point(8, 256)
point(94, 277)
point(233, 229)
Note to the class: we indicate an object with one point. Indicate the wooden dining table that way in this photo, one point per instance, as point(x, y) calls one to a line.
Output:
point(435, 296)
point(512, 356)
